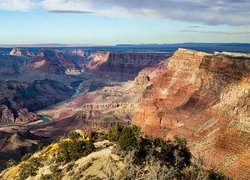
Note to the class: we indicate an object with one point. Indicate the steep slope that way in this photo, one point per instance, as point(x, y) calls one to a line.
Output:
point(206, 99)
point(123, 66)
point(14, 144)
point(121, 153)
point(17, 99)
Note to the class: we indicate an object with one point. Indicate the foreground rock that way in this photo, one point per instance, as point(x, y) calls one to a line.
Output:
point(206, 99)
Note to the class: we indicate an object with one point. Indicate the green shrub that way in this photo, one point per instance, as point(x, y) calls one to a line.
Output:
point(182, 153)
point(26, 157)
point(74, 136)
point(10, 163)
point(114, 132)
point(29, 168)
point(73, 150)
point(91, 135)
point(127, 140)
point(136, 130)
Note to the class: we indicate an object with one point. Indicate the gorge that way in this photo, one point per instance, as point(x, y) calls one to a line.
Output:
point(201, 96)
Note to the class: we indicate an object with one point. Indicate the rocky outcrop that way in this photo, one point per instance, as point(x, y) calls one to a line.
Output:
point(16, 52)
point(50, 54)
point(24, 116)
point(6, 116)
point(206, 99)
point(12, 116)
point(97, 59)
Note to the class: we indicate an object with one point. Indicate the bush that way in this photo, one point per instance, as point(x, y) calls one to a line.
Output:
point(182, 153)
point(73, 150)
point(213, 174)
point(91, 135)
point(114, 132)
point(74, 136)
point(29, 168)
point(10, 163)
point(127, 140)
point(26, 157)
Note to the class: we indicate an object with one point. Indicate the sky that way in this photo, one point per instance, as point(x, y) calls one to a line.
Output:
point(109, 22)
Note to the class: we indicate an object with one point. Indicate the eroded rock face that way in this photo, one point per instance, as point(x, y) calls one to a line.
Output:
point(97, 59)
point(6, 116)
point(16, 52)
point(123, 66)
point(17, 99)
point(14, 144)
point(206, 99)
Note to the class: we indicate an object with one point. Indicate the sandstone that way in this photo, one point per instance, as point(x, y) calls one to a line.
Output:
point(206, 99)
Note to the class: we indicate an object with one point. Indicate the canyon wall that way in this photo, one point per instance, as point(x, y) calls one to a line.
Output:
point(123, 66)
point(206, 99)
point(17, 99)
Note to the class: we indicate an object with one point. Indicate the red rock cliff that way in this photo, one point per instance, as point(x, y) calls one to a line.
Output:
point(206, 99)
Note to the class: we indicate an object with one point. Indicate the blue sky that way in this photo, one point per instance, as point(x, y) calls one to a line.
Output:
point(107, 22)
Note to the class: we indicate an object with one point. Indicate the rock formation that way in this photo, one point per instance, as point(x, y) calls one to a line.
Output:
point(16, 52)
point(206, 99)
point(97, 59)
point(123, 66)
point(17, 99)
point(14, 144)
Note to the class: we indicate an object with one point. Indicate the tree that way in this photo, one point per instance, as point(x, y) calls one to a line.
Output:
point(127, 140)
point(73, 150)
point(114, 132)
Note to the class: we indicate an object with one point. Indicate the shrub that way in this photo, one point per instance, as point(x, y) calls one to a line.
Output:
point(91, 135)
point(213, 174)
point(26, 157)
point(127, 140)
point(73, 150)
point(10, 163)
point(114, 132)
point(136, 130)
point(167, 150)
point(74, 136)
point(29, 168)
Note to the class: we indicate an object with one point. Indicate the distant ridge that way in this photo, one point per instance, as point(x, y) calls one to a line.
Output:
point(47, 45)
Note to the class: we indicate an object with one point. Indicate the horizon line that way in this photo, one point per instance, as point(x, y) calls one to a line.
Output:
point(99, 45)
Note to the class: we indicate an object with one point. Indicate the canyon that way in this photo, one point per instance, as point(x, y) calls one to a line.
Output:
point(201, 96)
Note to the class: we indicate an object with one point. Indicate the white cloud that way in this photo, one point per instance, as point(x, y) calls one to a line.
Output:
point(16, 5)
point(67, 5)
point(210, 12)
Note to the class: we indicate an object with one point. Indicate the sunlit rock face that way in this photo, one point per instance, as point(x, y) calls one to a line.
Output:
point(206, 99)
point(16, 52)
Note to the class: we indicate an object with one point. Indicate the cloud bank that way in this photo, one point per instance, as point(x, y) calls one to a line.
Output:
point(17, 5)
point(209, 12)
point(216, 32)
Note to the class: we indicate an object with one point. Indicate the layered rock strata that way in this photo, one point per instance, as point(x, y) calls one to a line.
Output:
point(206, 99)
